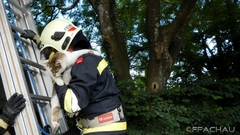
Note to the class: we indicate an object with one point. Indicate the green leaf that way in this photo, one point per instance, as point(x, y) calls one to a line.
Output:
point(215, 97)
point(217, 109)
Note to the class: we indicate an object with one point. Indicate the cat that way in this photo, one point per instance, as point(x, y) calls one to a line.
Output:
point(59, 68)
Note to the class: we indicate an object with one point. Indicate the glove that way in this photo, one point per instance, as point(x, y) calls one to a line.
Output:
point(12, 108)
point(31, 35)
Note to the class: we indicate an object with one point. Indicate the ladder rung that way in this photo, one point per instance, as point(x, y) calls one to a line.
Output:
point(34, 101)
point(18, 7)
point(26, 61)
point(17, 29)
point(34, 72)
point(24, 41)
point(16, 13)
point(39, 97)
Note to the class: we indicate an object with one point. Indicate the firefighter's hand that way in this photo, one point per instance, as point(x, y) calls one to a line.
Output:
point(12, 108)
point(31, 35)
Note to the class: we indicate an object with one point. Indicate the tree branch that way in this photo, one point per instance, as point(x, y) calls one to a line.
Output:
point(182, 17)
point(177, 29)
point(69, 8)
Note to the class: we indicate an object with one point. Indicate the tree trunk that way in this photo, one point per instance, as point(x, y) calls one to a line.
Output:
point(113, 39)
point(164, 43)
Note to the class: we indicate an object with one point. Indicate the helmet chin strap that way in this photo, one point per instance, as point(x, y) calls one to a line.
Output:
point(51, 55)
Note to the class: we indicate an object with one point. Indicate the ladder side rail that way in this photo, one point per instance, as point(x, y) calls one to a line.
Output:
point(27, 22)
point(33, 51)
point(46, 79)
point(36, 81)
point(43, 81)
point(16, 12)
point(15, 4)
point(13, 77)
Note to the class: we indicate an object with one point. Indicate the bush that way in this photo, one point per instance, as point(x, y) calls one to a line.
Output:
point(203, 105)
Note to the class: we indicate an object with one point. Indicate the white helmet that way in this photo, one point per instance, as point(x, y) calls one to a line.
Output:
point(58, 34)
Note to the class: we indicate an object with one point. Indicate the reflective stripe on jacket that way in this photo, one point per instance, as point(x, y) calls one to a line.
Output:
point(93, 85)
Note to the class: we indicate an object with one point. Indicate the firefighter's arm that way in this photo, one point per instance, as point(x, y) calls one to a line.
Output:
point(68, 100)
point(11, 109)
point(76, 95)
point(3, 126)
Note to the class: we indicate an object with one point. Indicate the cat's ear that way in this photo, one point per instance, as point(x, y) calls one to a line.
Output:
point(58, 63)
point(45, 62)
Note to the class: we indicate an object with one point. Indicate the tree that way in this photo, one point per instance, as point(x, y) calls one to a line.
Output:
point(164, 40)
point(201, 91)
point(213, 45)
point(164, 44)
point(112, 37)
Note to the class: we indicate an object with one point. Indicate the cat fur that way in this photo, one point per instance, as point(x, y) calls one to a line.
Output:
point(59, 68)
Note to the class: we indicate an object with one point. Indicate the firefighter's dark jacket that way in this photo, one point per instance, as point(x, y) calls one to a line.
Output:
point(2, 130)
point(8, 129)
point(93, 85)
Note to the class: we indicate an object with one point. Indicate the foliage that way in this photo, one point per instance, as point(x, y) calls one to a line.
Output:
point(203, 89)
point(198, 94)
point(134, 31)
point(201, 104)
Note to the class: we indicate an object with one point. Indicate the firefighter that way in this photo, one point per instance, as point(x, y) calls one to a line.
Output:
point(11, 109)
point(92, 91)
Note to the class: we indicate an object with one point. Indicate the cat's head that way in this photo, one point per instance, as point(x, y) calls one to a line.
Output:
point(56, 64)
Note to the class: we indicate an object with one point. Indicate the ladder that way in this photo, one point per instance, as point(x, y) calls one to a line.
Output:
point(21, 71)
